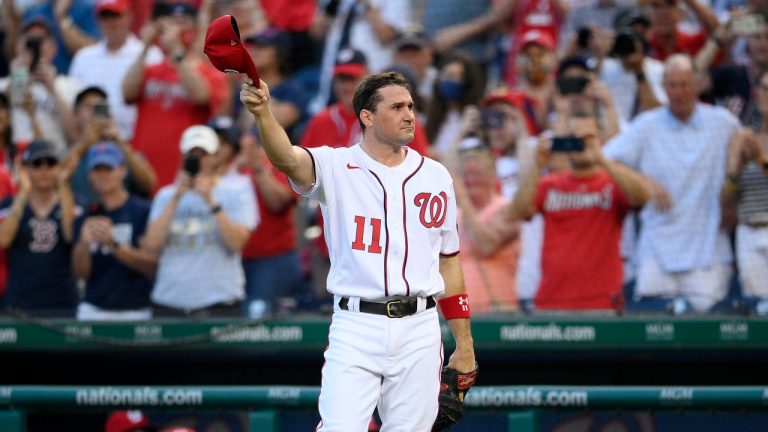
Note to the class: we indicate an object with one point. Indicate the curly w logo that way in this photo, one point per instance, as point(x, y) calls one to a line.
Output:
point(432, 206)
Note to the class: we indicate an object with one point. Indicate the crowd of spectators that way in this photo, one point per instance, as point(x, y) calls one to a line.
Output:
point(607, 155)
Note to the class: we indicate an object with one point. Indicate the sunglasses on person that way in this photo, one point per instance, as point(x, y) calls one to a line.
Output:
point(44, 161)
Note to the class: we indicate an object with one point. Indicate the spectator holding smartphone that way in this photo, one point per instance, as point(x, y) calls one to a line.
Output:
point(583, 210)
point(633, 78)
point(580, 89)
point(197, 228)
point(34, 76)
point(182, 90)
point(95, 124)
point(106, 253)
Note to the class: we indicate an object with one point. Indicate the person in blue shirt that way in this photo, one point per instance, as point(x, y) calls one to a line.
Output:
point(106, 254)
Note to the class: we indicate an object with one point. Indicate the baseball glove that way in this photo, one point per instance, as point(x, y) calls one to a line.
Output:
point(454, 385)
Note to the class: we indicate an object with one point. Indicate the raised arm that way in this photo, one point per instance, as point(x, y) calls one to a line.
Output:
point(523, 203)
point(635, 186)
point(294, 161)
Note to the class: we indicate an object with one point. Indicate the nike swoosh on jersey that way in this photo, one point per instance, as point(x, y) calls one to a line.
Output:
point(350, 166)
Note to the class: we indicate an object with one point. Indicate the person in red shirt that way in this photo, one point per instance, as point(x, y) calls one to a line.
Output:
point(668, 39)
point(181, 91)
point(583, 210)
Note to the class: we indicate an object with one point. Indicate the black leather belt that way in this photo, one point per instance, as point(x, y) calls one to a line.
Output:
point(396, 308)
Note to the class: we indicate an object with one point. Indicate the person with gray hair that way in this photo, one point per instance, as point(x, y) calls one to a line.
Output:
point(683, 255)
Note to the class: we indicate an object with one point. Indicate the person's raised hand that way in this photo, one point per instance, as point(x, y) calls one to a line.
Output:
point(660, 197)
point(255, 99)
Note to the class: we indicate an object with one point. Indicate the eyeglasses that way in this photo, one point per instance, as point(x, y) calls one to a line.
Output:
point(47, 161)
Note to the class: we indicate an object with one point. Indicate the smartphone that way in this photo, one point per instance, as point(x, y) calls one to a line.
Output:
point(567, 143)
point(493, 119)
point(101, 109)
point(19, 86)
point(191, 165)
point(584, 37)
point(569, 85)
point(97, 209)
point(749, 25)
point(624, 45)
point(33, 45)
point(160, 9)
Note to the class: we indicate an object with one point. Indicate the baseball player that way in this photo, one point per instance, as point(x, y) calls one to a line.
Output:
point(390, 223)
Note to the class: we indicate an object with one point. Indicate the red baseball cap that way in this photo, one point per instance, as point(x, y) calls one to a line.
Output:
point(127, 421)
point(537, 37)
point(225, 49)
point(514, 98)
point(350, 62)
point(114, 6)
point(517, 99)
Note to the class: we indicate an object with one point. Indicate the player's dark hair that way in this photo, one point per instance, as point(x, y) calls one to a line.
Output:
point(367, 95)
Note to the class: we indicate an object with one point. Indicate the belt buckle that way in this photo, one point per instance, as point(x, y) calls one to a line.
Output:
point(390, 312)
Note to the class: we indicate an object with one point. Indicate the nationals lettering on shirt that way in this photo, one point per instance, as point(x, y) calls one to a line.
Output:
point(559, 200)
point(581, 264)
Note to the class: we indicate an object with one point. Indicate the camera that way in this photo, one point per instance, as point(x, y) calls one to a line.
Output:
point(101, 109)
point(568, 85)
point(97, 209)
point(493, 119)
point(34, 45)
point(160, 9)
point(624, 44)
point(191, 165)
point(584, 37)
point(568, 143)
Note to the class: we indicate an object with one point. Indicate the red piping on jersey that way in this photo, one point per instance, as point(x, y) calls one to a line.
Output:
point(386, 235)
point(405, 231)
point(448, 255)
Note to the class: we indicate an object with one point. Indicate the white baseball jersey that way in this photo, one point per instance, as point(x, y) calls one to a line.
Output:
point(385, 226)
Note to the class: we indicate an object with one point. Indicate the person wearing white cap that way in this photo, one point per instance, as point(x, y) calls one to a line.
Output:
point(197, 227)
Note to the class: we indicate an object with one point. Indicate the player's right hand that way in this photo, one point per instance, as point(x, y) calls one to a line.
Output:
point(255, 99)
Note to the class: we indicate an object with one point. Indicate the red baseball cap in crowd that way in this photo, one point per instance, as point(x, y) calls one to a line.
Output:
point(516, 99)
point(350, 62)
point(128, 421)
point(537, 37)
point(114, 6)
point(225, 49)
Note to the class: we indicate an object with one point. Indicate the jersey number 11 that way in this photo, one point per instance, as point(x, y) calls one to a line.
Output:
point(358, 244)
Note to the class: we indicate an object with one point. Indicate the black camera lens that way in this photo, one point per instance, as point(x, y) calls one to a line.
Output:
point(33, 45)
point(569, 85)
point(624, 44)
point(584, 37)
point(192, 165)
point(493, 119)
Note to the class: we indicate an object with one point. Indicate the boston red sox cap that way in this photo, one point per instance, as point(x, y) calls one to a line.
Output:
point(225, 49)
